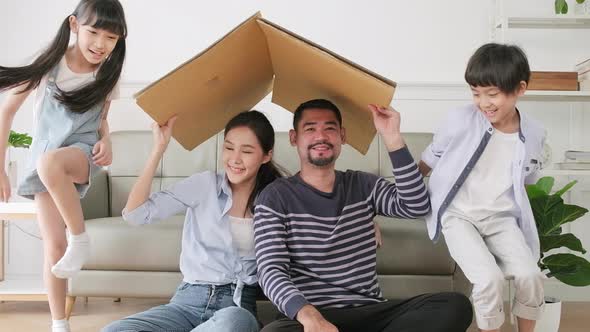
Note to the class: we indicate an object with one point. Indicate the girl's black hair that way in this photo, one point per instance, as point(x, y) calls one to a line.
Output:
point(100, 14)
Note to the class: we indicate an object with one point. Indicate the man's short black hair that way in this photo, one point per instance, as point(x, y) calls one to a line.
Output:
point(503, 66)
point(316, 103)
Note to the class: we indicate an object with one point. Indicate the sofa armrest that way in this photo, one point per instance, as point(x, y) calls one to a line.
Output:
point(96, 202)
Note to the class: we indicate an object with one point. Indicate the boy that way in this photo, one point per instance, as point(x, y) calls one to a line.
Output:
point(480, 160)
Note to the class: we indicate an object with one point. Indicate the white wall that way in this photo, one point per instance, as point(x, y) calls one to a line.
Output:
point(428, 40)
point(423, 45)
point(406, 41)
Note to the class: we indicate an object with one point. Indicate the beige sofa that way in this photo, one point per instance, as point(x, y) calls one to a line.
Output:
point(142, 262)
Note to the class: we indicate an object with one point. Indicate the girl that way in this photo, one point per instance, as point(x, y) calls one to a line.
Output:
point(219, 287)
point(71, 135)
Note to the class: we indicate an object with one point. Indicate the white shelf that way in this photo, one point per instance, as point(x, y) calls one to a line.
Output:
point(565, 172)
point(549, 22)
point(22, 287)
point(541, 95)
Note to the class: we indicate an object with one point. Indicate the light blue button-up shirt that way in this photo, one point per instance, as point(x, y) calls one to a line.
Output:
point(456, 147)
point(208, 254)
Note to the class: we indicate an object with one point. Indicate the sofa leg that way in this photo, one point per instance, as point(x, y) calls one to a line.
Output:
point(86, 299)
point(117, 300)
point(70, 300)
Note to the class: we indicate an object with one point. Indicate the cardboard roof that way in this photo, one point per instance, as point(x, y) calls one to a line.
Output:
point(244, 66)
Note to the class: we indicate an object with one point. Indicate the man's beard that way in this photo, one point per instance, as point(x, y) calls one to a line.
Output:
point(319, 161)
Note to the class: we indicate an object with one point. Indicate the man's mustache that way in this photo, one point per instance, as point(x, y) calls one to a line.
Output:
point(331, 146)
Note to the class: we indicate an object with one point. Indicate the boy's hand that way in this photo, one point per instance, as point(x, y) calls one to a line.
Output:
point(103, 152)
point(387, 122)
point(163, 133)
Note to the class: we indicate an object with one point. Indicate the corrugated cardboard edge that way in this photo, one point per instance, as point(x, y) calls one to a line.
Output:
point(364, 140)
point(335, 55)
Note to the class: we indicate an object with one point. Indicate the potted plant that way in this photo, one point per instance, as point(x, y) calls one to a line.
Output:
point(561, 6)
point(16, 140)
point(551, 213)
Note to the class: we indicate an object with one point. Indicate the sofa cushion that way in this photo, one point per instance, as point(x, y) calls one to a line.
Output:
point(120, 187)
point(416, 143)
point(115, 245)
point(96, 202)
point(398, 287)
point(131, 150)
point(407, 250)
point(178, 162)
point(111, 283)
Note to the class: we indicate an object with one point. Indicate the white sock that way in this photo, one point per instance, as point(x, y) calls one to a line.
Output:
point(77, 253)
point(61, 325)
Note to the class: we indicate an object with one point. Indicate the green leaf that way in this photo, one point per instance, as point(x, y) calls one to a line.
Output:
point(569, 241)
point(560, 5)
point(19, 140)
point(580, 1)
point(565, 213)
point(546, 184)
point(542, 210)
point(551, 213)
point(556, 231)
point(533, 191)
point(569, 269)
point(566, 188)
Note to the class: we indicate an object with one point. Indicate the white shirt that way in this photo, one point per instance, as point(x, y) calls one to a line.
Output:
point(67, 80)
point(450, 155)
point(242, 231)
point(488, 188)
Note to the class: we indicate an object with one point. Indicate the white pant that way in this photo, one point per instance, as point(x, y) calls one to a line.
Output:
point(488, 251)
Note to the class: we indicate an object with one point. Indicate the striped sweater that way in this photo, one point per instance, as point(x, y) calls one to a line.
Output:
point(319, 248)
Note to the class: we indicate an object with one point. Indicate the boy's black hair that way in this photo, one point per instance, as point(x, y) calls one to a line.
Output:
point(316, 103)
point(500, 65)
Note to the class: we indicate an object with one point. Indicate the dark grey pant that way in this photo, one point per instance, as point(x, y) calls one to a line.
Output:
point(438, 312)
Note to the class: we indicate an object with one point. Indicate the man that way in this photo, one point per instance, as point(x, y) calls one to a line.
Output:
point(315, 240)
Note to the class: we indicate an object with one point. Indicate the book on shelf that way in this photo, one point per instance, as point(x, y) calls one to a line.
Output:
point(575, 165)
point(554, 80)
point(581, 156)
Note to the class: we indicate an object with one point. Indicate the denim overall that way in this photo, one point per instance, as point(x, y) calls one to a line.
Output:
point(58, 127)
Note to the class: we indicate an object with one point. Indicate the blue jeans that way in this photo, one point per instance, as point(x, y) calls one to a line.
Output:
point(196, 308)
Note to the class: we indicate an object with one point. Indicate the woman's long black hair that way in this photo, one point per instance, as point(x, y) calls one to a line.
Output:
point(100, 14)
point(261, 127)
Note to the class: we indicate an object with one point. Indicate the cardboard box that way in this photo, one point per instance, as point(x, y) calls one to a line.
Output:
point(244, 66)
point(553, 80)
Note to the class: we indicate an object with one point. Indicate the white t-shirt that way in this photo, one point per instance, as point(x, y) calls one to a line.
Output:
point(242, 231)
point(488, 188)
point(67, 80)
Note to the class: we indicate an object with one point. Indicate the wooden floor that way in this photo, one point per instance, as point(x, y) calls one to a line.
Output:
point(92, 316)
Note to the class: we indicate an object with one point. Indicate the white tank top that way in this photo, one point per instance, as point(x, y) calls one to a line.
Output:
point(242, 231)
